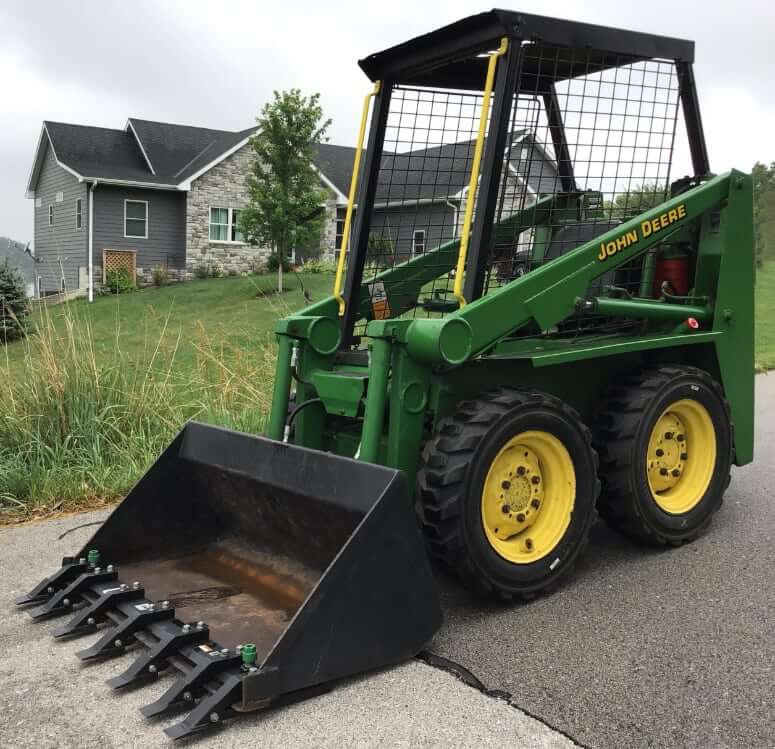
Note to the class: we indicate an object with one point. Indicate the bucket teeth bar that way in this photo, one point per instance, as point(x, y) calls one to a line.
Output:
point(172, 638)
point(66, 599)
point(210, 679)
point(138, 617)
point(89, 618)
point(71, 568)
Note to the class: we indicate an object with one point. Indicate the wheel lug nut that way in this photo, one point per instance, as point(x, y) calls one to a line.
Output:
point(528, 543)
point(535, 480)
point(535, 503)
point(521, 471)
point(668, 435)
point(506, 485)
point(660, 452)
point(521, 517)
point(684, 456)
point(505, 509)
point(663, 471)
point(680, 437)
point(676, 472)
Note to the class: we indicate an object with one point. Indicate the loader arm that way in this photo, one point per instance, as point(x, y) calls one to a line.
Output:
point(548, 294)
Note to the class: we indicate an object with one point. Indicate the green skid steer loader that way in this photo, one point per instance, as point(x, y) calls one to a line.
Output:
point(533, 320)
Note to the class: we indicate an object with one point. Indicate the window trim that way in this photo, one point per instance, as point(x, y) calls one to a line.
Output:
point(415, 232)
point(78, 214)
point(50, 214)
point(136, 236)
point(229, 224)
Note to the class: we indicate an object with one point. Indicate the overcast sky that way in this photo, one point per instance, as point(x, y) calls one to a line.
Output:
point(214, 64)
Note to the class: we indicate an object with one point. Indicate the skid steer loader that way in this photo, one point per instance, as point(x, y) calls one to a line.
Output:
point(532, 320)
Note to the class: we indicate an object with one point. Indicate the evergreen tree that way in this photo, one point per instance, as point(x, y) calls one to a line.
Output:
point(14, 308)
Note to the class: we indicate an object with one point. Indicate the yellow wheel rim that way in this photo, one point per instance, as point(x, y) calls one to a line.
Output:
point(681, 456)
point(528, 497)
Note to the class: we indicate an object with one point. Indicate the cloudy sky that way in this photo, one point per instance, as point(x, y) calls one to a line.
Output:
point(215, 64)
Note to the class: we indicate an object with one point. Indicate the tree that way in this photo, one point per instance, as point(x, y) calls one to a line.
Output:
point(13, 304)
point(283, 186)
point(764, 211)
point(638, 199)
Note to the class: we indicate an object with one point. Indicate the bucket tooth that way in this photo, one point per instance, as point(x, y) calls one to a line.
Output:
point(88, 619)
point(172, 637)
point(139, 616)
point(211, 710)
point(208, 662)
point(65, 600)
point(71, 568)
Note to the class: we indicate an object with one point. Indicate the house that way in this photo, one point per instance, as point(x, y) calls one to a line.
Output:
point(155, 194)
point(18, 256)
point(421, 194)
point(152, 194)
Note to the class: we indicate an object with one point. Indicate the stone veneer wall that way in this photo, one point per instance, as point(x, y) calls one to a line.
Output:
point(222, 187)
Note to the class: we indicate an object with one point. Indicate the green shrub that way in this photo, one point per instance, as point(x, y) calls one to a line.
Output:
point(319, 266)
point(160, 276)
point(202, 271)
point(273, 263)
point(119, 281)
point(14, 307)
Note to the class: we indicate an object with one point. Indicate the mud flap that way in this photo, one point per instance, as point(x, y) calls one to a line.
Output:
point(262, 571)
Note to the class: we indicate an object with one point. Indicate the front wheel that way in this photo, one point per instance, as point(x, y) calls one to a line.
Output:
point(507, 492)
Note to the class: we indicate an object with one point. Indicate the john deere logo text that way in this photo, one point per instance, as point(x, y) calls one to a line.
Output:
point(647, 228)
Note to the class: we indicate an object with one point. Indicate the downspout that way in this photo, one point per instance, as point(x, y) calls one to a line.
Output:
point(455, 208)
point(92, 188)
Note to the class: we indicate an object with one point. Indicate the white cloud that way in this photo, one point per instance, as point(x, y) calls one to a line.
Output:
point(216, 64)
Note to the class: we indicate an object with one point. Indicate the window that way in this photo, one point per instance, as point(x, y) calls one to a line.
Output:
point(236, 234)
point(418, 242)
point(341, 213)
point(78, 214)
point(224, 225)
point(51, 215)
point(136, 219)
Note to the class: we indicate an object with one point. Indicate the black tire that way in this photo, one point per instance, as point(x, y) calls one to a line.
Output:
point(455, 464)
point(622, 433)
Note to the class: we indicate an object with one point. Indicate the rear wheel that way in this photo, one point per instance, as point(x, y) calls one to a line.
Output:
point(507, 492)
point(665, 443)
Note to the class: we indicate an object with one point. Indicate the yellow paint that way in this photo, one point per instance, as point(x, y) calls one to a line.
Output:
point(351, 198)
point(528, 497)
point(472, 185)
point(647, 228)
point(681, 456)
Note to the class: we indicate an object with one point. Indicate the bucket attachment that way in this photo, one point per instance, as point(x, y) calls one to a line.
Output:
point(261, 571)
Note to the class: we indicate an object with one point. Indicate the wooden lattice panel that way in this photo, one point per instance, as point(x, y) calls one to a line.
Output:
point(117, 259)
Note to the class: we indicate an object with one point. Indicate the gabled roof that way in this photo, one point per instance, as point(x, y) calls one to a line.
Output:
point(437, 173)
point(144, 153)
point(17, 256)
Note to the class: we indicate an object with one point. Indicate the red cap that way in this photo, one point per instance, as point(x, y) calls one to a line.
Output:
point(692, 323)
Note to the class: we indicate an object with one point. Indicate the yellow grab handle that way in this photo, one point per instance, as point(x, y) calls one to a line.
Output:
point(351, 199)
point(469, 214)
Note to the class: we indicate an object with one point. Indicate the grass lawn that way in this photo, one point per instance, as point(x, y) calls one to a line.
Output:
point(765, 317)
point(239, 311)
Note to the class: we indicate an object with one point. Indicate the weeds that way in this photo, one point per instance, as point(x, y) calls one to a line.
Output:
point(80, 428)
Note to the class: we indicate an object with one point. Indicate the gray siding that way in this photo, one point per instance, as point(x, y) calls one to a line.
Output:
point(398, 225)
point(61, 247)
point(166, 242)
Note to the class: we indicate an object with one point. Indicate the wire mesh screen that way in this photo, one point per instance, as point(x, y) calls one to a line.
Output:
point(590, 136)
point(600, 142)
point(422, 184)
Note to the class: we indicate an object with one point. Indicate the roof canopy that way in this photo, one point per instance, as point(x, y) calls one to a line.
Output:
point(447, 57)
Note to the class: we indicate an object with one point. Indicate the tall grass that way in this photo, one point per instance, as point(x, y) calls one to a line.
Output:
point(78, 426)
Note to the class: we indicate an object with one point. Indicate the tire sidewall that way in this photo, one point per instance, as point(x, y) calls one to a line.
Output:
point(538, 574)
point(659, 521)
